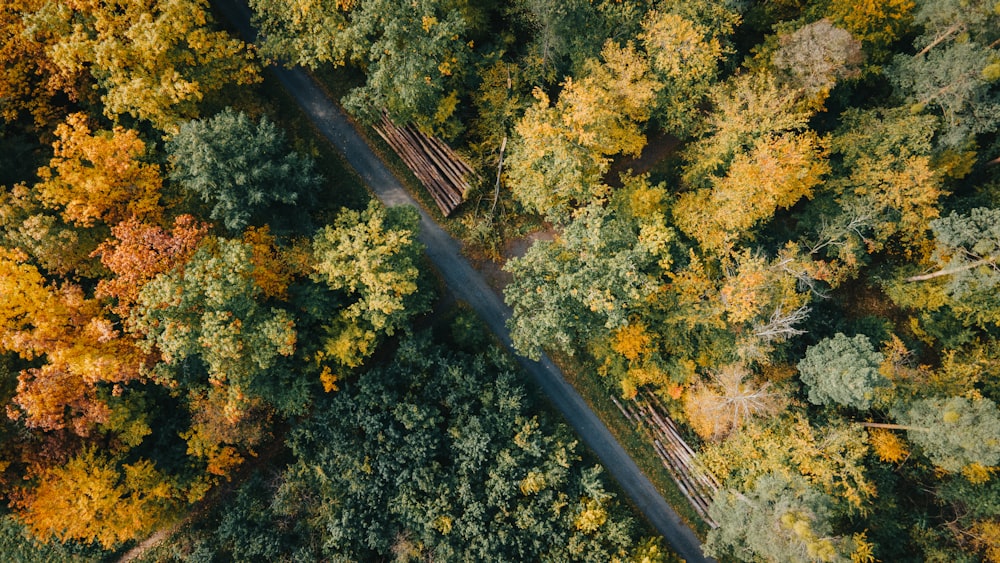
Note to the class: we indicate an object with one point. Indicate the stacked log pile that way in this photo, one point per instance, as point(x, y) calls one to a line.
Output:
point(692, 478)
point(439, 169)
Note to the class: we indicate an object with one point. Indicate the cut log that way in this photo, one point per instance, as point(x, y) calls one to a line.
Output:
point(438, 168)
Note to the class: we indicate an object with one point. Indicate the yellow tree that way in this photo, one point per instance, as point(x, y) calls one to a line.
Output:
point(153, 59)
point(562, 151)
point(93, 498)
point(876, 23)
point(746, 109)
point(98, 176)
point(887, 175)
point(29, 79)
point(685, 57)
point(776, 172)
point(80, 348)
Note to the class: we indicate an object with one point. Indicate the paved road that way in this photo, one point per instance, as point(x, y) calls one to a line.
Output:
point(468, 285)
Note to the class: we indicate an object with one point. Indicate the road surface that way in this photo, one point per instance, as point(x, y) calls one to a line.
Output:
point(468, 285)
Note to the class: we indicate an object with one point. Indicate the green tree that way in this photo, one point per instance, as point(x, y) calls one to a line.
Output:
point(20, 547)
point(210, 310)
point(589, 280)
point(780, 519)
point(844, 371)
point(957, 83)
point(967, 248)
point(437, 455)
point(414, 54)
point(954, 431)
point(247, 172)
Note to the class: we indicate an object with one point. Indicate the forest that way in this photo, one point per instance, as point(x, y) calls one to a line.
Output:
point(781, 218)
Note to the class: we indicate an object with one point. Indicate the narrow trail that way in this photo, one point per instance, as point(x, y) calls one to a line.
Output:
point(469, 285)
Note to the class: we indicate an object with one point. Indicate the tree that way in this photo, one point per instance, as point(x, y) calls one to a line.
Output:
point(957, 82)
point(561, 152)
point(30, 82)
point(684, 56)
point(154, 60)
point(876, 23)
point(885, 172)
point(307, 33)
point(78, 346)
point(747, 110)
point(56, 246)
point(832, 458)
point(816, 56)
point(954, 432)
point(95, 498)
point(967, 247)
point(775, 173)
point(138, 252)
point(780, 519)
point(953, 21)
point(415, 54)
point(210, 310)
point(592, 278)
point(729, 398)
point(371, 259)
point(99, 177)
point(844, 371)
point(246, 171)
point(436, 454)
point(20, 547)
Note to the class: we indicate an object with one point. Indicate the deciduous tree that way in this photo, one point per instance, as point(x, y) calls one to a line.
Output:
point(562, 152)
point(592, 278)
point(153, 59)
point(211, 310)
point(774, 173)
point(138, 252)
point(95, 498)
point(371, 259)
point(885, 171)
point(816, 56)
point(729, 397)
point(99, 176)
point(685, 57)
point(78, 348)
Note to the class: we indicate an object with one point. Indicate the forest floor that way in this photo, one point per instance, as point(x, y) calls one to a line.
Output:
point(470, 286)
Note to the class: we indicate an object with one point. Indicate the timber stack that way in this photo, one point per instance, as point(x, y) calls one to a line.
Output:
point(442, 172)
point(692, 478)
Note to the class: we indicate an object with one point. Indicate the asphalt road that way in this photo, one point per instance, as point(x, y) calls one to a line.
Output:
point(468, 285)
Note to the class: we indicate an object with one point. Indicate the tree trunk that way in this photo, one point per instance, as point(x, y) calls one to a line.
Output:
point(955, 270)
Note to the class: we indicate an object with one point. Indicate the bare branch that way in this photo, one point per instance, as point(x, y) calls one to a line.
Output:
point(781, 325)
